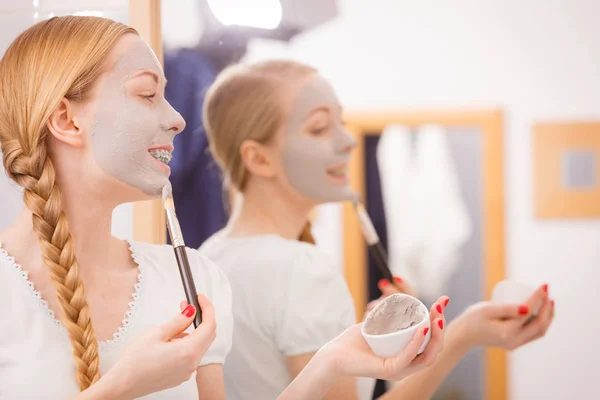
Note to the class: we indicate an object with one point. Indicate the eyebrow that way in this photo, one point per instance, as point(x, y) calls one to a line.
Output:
point(153, 74)
point(327, 109)
point(318, 109)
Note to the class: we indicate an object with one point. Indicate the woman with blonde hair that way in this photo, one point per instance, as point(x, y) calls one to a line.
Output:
point(84, 127)
point(276, 130)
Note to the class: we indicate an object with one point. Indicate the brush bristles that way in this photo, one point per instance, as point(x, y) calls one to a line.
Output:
point(356, 200)
point(168, 203)
point(167, 196)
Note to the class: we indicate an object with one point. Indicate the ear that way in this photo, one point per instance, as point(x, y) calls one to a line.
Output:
point(257, 159)
point(62, 125)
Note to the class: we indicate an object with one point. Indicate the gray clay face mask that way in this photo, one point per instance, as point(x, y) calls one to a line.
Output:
point(310, 160)
point(128, 125)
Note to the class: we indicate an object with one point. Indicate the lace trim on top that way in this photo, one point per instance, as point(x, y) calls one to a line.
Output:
point(44, 304)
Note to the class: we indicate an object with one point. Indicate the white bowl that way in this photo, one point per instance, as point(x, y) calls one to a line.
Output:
point(390, 344)
point(512, 292)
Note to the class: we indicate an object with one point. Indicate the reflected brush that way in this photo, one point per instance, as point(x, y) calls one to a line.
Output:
point(373, 243)
point(180, 252)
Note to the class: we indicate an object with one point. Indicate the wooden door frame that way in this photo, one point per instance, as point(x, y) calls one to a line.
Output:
point(490, 124)
point(148, 216)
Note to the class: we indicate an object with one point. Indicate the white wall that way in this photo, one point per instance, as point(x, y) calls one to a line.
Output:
point(537, 60)
point(15, 17)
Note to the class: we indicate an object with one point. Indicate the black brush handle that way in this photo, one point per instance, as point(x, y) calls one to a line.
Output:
point(381, 261)
point(188, 282)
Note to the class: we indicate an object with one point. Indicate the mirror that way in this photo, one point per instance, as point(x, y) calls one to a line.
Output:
point(448, 237)
point(487, 76)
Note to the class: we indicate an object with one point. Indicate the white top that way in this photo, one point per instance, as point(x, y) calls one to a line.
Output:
point(35, 352)
point(288, 299)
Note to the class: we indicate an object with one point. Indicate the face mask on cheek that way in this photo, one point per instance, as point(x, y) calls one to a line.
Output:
point(125, 127)
point(308, 159)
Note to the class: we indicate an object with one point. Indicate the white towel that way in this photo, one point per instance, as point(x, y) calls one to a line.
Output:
point(427, 220)
point(396, 169)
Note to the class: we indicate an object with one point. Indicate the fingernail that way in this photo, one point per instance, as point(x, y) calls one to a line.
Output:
point(441, 324)
point(397, 280)
point(188, 311)
point(523, 310)
point(425, 331)
point(439, 308)
point(552, 303)
point(446, 302)
point(383, 283)
point(545, 287)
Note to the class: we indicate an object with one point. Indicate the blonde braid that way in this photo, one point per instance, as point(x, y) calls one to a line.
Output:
point(55, 59)
point(42, 196)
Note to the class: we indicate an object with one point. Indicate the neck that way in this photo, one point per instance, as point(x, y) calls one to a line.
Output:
point(255, 215)
point(88, 208)
point(89, 223)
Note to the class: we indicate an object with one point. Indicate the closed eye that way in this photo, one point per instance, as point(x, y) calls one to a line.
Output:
point(149, 97)
point(319, 131)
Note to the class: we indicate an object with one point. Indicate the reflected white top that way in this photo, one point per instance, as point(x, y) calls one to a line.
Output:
point(288, 299)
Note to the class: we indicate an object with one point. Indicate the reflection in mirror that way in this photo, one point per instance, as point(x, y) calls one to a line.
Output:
point(439, 203)
point(201, 38)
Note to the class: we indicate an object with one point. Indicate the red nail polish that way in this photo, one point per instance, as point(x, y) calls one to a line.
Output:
point(425, 331)
point(446, 302)
point(523, 310)
point(439, 308)
point(397, 280)
point(383, 282)
point(188, 311)
point(441, 324)
point(545, 287)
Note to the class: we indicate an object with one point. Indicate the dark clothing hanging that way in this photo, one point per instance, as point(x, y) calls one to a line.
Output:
point(196, 179)
point(374, 205)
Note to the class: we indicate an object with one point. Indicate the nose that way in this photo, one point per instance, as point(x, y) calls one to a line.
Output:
point(346, 140)
point(178, 123)
point(173, 121)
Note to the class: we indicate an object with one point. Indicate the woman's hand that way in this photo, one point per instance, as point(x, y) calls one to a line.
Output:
point(506, 326)
point(350, 355)
point(165, 356)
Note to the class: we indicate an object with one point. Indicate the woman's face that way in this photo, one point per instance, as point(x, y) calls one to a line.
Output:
point(316, 147)
point(133, 126)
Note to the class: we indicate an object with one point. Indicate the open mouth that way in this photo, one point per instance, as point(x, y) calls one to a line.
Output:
point(338, 173)
point(162, 155)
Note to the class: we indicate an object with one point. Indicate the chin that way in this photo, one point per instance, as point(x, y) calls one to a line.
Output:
point(128, 193)
point(344, 194)
point(152, 192)
point(339, 195)
point(348, 194)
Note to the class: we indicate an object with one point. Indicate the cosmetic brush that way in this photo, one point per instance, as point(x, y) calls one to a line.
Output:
point(180, 252)
point(373, 243)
